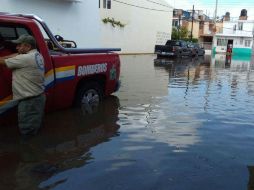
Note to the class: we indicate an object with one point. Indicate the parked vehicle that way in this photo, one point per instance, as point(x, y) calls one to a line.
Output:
point(196, 49)
point(193, 49)
point(200, 50)
point(72, 76)
point(176, 48)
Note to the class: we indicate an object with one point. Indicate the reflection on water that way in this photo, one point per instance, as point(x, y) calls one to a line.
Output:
point(179, 123)
point(63, 143)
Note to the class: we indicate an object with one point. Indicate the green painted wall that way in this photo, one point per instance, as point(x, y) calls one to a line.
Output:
point(239, 51)
point(242, 51)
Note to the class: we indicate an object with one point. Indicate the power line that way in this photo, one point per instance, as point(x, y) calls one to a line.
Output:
point(137, 6)
point(158, 3)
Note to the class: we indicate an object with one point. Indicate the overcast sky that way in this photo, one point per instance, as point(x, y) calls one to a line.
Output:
point(208, 6)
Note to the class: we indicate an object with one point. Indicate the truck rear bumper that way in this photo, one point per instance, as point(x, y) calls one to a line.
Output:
point(165, 53)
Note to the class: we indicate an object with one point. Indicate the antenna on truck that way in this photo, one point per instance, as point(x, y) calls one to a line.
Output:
point(54, 40)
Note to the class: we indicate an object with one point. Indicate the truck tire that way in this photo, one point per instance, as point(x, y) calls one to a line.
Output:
point(89, 96)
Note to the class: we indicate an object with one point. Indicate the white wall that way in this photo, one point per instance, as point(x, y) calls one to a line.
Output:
point(248, 27)
point(81, 21)
point(144, 28)
point(78, 21)
point(236, 42)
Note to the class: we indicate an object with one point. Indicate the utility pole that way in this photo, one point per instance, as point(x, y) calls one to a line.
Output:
point(179, 26)
point(215, 13)
point(192, 21)
point(179, 13)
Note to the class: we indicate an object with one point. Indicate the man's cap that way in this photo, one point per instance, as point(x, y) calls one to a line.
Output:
point(26, 39)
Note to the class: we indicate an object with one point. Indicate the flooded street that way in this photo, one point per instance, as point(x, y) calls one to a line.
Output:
point(174, 124)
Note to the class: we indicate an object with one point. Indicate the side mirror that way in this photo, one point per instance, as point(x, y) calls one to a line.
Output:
point(59, 38)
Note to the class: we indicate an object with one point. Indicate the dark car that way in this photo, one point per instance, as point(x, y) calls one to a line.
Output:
point(200, 50)
point(193, 49)
point(196, 49)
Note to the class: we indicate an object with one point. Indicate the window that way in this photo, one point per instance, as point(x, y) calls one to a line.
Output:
point(247, 43)
point(175, 23)
point(7, 33)
point(173, 43)
point(12, 32)
point(241, 41)
point(221, 42)
point(240, 26)
point(107, 4)
point(184, 44)
point(234, 27)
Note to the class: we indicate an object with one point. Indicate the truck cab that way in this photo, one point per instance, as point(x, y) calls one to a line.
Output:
point(73, 76)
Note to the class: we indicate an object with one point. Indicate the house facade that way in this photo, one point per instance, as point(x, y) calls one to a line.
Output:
point(133, 26)
point(237, 35)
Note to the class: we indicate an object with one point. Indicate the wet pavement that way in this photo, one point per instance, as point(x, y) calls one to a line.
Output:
point(174, 124)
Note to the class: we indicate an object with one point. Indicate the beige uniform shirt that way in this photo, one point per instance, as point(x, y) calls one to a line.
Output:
point(28, 74)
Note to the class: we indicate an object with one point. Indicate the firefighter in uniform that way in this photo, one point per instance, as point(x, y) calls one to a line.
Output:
point(27, 83)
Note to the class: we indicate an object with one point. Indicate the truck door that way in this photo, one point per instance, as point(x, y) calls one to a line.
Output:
point(8, 32)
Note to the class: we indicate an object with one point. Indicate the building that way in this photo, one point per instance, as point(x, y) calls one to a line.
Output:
point(199, 25)
point(145, 24)
point(133, 26)
point(236, 37)
point(183, 18)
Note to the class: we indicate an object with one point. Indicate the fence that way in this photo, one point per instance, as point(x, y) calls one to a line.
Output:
point(206, 45)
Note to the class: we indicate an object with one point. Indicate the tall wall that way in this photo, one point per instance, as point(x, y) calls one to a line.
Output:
point(81, 21)
point(76, 21)
point(143, 28)
point(247, 27)
point(195, 29)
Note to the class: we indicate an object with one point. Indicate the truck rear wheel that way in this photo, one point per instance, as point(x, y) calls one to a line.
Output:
point(89, 97)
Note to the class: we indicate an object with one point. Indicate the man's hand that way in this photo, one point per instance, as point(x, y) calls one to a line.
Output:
point(2, 59)
point(2, 62)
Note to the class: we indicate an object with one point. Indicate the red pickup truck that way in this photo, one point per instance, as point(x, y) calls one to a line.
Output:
point(72, 75)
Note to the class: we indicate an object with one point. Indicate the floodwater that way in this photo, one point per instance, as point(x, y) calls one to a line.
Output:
point(174, 124)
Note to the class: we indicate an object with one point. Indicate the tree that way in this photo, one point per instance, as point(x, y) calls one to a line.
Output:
point(179, 34)
point(174, 35)
point(183, 32)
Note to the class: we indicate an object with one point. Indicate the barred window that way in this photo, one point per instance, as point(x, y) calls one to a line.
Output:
point(247, 43)
point(240, 26)
point(107, 4)
point(221, 42)
point(241, 41)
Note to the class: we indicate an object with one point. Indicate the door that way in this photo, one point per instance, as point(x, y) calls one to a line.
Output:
point(8, 32)
point(230, 46)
